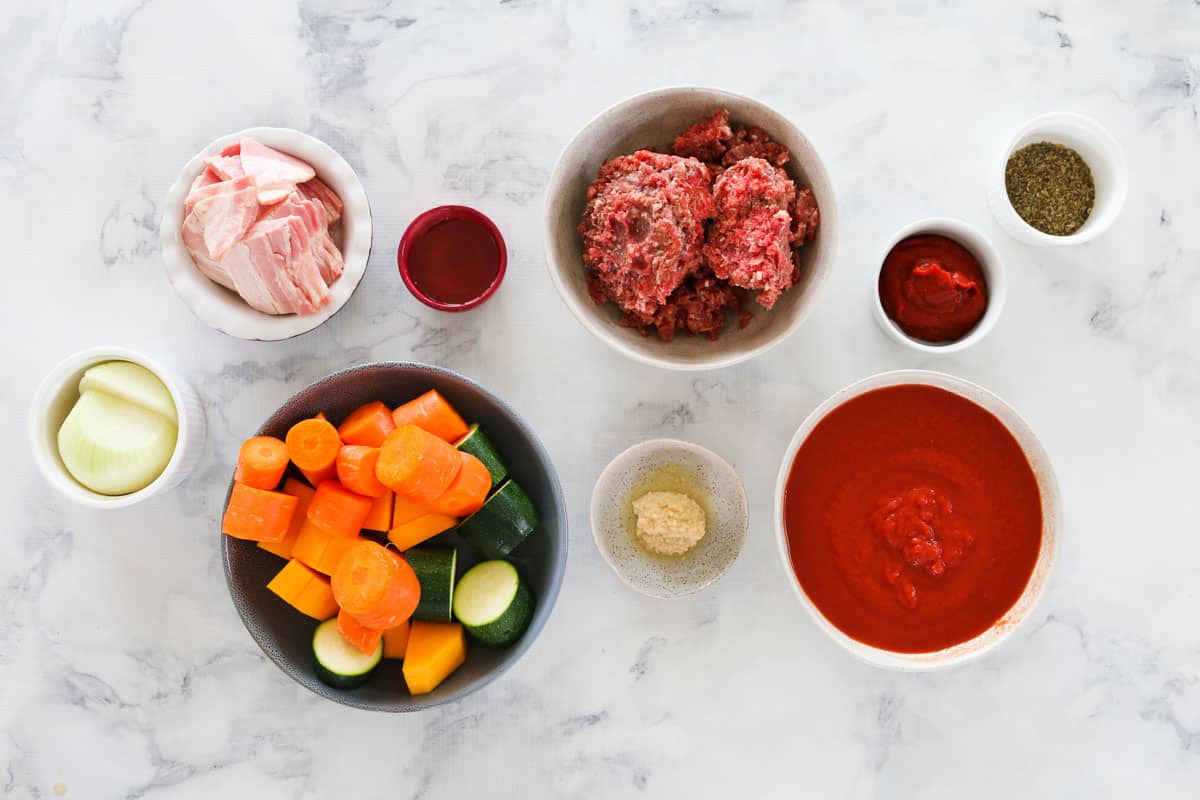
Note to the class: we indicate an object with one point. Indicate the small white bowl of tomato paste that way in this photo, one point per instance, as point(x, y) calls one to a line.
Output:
point(918, 519)
point(940, 287)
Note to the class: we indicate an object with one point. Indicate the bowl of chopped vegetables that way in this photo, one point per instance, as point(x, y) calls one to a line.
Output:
point(394, 536)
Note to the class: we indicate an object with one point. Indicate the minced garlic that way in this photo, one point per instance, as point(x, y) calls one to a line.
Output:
point(668, 523)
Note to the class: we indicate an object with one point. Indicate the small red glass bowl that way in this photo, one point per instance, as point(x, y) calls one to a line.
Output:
point(427, 220)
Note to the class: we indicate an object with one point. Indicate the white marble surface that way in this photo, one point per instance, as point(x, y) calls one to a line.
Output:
point(124, 671)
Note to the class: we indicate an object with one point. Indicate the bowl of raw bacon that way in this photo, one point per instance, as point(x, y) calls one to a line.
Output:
point(394, 537)
point(266, 233)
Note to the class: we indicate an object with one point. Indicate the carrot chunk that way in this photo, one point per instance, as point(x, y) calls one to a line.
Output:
point(466, 495)
point(257, 514)
point(304, 495)
point(395, 641)
point(432, 413)
point(313, 445)
point(338, 510)
point(261, 462)
point(367, 425)
point(356, 470)
point(416, 464)
point(364, 638)
point(411, 534)
point(376, 585)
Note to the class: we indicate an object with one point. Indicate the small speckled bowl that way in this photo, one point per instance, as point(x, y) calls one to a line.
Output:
point(670, 576)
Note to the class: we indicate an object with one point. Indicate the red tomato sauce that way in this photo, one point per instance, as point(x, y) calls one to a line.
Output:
point(913, 518)
point(933, 288)
point(454, 261)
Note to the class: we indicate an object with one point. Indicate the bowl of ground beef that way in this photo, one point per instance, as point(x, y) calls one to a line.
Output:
point(690, 228)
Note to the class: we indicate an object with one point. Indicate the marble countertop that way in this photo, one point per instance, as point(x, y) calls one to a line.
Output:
point(125, 670)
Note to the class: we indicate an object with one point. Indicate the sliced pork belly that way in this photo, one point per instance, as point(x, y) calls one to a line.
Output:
point(214, 188)
point(276, 173)
point(227, 167)
point(317, 189)
point(273, 270)
point(207, 177)
point(226, 213)
point(325, 253)
point(192, 234)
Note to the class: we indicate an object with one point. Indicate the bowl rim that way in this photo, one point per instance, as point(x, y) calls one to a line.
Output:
point(1002, 207)
point(990, 262)
point(602, 330)
point(661, 443)
point(54, 385)
point(199, 293)
point(426, 220)
point(1048, 552)
point(546, 602)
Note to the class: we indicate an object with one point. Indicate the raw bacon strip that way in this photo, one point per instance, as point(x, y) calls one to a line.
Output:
point(316, 189)
point(192, 234)
point(226, 216)
point(276, 173)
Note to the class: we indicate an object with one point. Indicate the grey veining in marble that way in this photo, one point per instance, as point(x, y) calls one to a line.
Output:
point(124, 671)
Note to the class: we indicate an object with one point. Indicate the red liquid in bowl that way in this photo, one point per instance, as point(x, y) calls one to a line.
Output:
point(452, 258)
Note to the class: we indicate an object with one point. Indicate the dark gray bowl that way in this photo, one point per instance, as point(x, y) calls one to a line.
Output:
point(285, 635)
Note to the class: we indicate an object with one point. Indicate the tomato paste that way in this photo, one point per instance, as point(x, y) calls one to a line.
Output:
point(933, 288)
point(913, 518)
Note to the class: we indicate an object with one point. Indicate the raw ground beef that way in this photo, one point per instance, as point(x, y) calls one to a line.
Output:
point(750, 243)
point(643, 229)
point(676, 241)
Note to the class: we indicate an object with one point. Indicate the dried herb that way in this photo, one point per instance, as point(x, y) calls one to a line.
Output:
point(1051, 187)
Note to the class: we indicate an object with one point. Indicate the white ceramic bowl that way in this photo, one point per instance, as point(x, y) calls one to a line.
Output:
point(670, 576)
point(56, 396)
point(225, 310)
point(653, 120)
point(1098, 148)
point(1022, 610)
point(993, 273)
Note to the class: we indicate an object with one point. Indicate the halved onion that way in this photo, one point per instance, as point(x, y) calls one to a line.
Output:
point(113, 446)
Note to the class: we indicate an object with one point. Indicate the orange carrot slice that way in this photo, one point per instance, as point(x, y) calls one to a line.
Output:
point(405, 511)
point(411, 534)
point(367, 425)
point(338, 510)
point(432, 413)
point(363, 638)
point(313, 446)
point(466, 495)
point(380, 518)
point(257, 514)
point(395, 641)
point(356, 470)
point(417, 464)
point(375, 585)
point(261, 462)
point(304, 495)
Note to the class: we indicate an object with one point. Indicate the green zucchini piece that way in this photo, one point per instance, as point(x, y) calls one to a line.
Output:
point(507, 517)
point(479, 445)
point(339, 663)
point(434, 567)
point(493, 603)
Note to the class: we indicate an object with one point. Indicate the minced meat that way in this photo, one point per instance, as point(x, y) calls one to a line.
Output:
point(677, 240)
point(750, 243)
point(643, 228)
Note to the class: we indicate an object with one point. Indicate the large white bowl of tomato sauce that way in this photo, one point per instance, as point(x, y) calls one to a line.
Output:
point(917, 518)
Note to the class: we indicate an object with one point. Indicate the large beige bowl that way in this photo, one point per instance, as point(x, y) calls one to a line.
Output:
point(652, 120)
point(1022, 610)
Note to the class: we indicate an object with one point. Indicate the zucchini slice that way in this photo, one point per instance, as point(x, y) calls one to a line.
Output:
point(435, 572)
point(507, 517)
point(479, 445)
point(340, 664)
point(493, 603)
